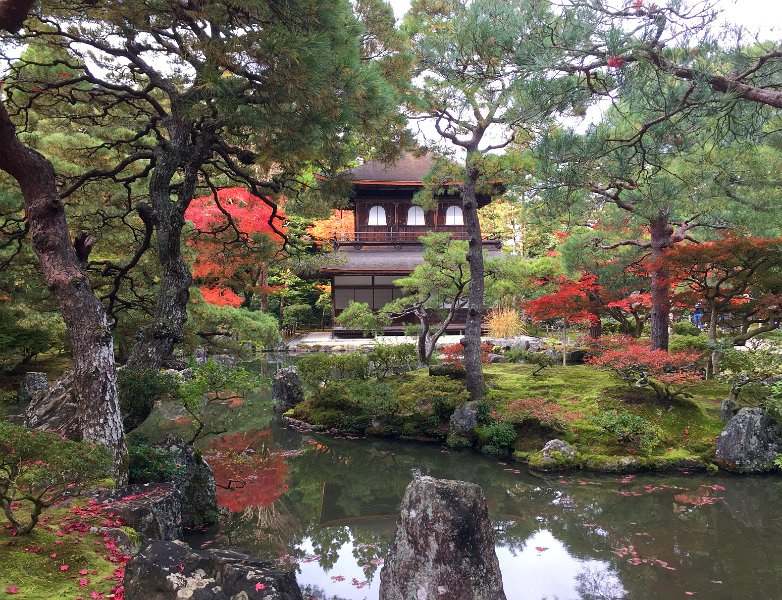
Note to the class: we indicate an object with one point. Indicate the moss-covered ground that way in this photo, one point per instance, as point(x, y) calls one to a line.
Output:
point(62, 558)
point(612, 426)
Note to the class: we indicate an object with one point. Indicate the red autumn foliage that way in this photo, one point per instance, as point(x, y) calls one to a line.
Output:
point(235, 235)
point(668, 375)
point(454, 354)
point(540, 410)
point(570, 302)
point(248, 472)
point(738, 280)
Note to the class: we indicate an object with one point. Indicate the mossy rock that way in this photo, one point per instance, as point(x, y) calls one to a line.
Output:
point(614, 464)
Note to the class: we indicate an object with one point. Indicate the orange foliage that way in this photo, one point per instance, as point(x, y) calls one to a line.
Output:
point(341, 222)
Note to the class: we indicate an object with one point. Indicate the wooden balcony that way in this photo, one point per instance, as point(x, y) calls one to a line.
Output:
point(398, 236)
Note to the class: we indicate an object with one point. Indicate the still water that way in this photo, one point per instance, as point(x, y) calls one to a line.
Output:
point(328, 506)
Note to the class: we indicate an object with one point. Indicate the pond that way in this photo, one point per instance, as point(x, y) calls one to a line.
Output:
point(328, 506)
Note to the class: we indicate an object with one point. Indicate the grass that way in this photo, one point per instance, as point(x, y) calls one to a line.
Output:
point(31, 566)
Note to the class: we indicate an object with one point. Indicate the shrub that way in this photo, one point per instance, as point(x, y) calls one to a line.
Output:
point(315, 369)
point(688, 343)
point(358, 316)
point(297, 314)
point(430, 396)
point(505, 323)
point(501, 435)
point(685, 328)
point(387, 359)
point(259, 328)
point(629, 428)
point(668, 375)
point(351, 365)
point(39, 468)
point(139, 387)
point(373, 398)
point(541, 360)
point(148, 464)
point(454, 354)
point(334, 395)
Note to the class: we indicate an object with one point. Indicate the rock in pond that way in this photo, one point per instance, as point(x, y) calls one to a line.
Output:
point(194, 479)
point(749, 443)
point(286, 388)
point(444, 545)
point(174, 571)
point(154, 510)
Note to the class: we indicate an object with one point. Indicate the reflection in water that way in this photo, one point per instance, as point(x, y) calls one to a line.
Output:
point(328, 506)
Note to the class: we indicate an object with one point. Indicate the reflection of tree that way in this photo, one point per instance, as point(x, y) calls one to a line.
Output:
point(599, 583)
point(327, 541)
point(247, 471)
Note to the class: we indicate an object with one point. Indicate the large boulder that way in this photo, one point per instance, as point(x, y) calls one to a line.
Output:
point(55, 409)
point(154, 509)
point(444, 545)
point(33, 385)
point(194, 479)
point(749, 443)
point(463, 421)
point(286, 388)
point(173, 571)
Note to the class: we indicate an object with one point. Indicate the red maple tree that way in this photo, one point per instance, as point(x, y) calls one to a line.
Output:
point(235, 235)
point(667, 375)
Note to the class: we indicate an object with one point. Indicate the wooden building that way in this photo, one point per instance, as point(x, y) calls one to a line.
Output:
point(386, 242)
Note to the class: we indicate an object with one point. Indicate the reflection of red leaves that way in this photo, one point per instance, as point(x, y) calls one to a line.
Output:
point(247, 471)
point(615, 61)
point(540, 548)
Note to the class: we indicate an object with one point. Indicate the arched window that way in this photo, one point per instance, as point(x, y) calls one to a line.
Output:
point(453, 216)
point(377, 216)
point(415, 216)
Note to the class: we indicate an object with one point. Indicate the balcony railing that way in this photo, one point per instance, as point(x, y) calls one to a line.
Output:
point(403, 235)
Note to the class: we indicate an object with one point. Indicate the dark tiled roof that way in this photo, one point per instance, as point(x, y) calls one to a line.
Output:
point(380, 260)
point(409, 168)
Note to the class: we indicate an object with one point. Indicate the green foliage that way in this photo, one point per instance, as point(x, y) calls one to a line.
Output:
point(334, 395)
point(685, 328)
point(212, 382)
point(358, 315)
point(540, 359)
point(138, 389)
point(629, 428)
point(297, 314)
point(387, 359)
point(772, 403)
point(259, 328)
point(316, 368)
point(38, 468)
point(688, 343)
point(148, 464)
point(501, 435)
point(19, 340)
point(351, 365)
point(424, 397)
point(483, 412)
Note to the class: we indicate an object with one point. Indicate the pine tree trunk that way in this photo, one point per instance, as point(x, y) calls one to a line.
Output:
point(472, 331)
point(92, 345)
point(661, 233)
point(156, 340)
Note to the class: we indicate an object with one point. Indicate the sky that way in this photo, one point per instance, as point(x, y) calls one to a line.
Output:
point(765, 15)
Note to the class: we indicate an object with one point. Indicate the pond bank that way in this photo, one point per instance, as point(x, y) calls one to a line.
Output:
point(606, 426)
